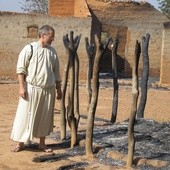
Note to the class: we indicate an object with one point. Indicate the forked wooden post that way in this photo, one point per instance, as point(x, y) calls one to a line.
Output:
point(70, 113)
point(64, 87)
point(71, 47)
point(100, 49)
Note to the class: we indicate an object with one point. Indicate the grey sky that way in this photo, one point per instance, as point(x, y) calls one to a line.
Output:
point(15, 6)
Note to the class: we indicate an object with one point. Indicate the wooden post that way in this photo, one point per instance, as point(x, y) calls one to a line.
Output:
point(114, 47)
point(145, 75)
point(90, 55)
point(71, 49)
point(71, 116)
point(76, 101)
point(100, 49)
point(135, 93)
point(64, 87)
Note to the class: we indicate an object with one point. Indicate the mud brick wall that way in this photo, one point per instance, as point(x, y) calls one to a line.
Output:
point(140, 19)
point(132, 20)
point(77, 8)
point(81, 9)
point(61, 8)
point(17, 30)
point(165, 59)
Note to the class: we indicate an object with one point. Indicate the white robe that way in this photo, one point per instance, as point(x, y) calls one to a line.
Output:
point(34, 116)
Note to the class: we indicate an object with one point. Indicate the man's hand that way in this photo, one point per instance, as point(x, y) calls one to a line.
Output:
point(22, 87)
point(23, 92)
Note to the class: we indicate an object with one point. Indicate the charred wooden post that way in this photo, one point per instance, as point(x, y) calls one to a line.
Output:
point(135, 93)
point(100, 49)
point(71, 49)
point(76, 103)
point(90, 55)
point(71, 116)
point(114, 47)
point(145, 75)
point(64, 87)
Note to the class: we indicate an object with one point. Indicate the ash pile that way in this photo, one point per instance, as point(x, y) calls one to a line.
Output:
point(110, 141)
point(152, 142)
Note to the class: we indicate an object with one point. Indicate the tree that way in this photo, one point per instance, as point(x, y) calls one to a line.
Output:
point(165, 7)
point(35, 6)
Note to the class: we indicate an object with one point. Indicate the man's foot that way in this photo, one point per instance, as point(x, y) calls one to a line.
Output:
point(42, 146)
point(17, 149)
point(45, 149)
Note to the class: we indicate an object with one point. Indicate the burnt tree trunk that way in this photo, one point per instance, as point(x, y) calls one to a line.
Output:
point(135, 93)
point(145, 75)
point(114, 47)
point(64, 87)
point(100, 49)
point(90, 55)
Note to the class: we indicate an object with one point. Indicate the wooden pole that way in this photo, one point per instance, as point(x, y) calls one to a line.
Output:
point(135, 93)
point(90, 55)
point(115, 77)
point(71, 49)
point(100, 49)
point(145, 76)
point(64, 87)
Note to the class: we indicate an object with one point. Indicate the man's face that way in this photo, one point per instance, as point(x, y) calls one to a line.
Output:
point(48, 38)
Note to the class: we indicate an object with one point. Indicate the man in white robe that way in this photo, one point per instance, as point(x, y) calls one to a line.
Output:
point(39, 77)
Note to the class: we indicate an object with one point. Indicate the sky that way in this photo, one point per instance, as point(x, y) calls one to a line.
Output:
point(15, 5)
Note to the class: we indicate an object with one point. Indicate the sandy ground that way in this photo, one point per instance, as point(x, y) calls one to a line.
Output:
point(157, 108)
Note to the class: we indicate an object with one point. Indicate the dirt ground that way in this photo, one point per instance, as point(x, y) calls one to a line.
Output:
point(157, 108)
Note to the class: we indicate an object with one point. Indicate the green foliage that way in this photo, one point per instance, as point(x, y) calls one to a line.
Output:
point(165, 7)
point(35, 6)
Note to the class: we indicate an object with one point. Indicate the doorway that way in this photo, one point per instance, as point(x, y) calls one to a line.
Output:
point(106, 60)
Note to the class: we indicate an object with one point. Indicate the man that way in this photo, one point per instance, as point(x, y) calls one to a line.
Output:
point(38, 76)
